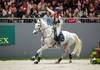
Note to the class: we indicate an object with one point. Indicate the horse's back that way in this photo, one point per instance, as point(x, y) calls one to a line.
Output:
point(68, 35)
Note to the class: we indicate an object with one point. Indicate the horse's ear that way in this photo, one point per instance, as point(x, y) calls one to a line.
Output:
point(39, 19)
point(34, 20)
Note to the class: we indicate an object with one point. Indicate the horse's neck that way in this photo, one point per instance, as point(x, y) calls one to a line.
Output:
point(44, 24)
point(47, 31)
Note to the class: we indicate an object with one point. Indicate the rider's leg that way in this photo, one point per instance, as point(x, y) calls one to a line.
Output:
point(59, 26)
point(58, 30)
point(57, 20)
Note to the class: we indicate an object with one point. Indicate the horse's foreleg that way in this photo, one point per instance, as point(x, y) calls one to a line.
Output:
point(34, 57)
point(39, 54)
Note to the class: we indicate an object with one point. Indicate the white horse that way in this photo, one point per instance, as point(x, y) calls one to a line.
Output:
point(47, 39)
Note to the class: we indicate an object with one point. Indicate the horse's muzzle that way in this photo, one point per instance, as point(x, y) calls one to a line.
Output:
point(35, 32)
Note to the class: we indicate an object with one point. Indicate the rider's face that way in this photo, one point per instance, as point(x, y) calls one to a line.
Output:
point(56, 15)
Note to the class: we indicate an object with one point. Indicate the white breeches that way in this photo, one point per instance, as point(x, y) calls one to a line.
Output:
point(58, 29)
point(59, 26)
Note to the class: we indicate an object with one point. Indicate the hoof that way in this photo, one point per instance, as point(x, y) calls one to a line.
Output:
point(32, 59)
point(70, 61)
point(57, 62)
point(36, 62)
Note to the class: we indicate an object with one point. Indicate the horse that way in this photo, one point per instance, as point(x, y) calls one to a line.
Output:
point(47, 41)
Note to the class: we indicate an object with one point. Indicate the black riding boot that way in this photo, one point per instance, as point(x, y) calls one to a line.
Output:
point(57, 38)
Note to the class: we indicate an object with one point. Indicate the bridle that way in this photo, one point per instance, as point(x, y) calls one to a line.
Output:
point(43, 29)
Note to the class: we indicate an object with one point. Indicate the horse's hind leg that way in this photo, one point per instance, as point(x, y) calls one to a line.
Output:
point(59, 60)
point(70, 57)
point(64, 54)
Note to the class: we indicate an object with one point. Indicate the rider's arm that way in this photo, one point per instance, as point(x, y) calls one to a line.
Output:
point(52, 12)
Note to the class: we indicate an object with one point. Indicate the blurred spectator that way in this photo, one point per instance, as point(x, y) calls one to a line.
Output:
point(42, 5)
point(85, 14)
point(97, 6)
point(30, 8)
point(13, 9)
point(1, 11)
point(6, 12)
point(24, 7)
point(34, 11)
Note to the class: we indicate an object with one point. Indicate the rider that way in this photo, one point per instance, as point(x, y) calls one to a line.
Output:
point(48, 18)
point(57, 22)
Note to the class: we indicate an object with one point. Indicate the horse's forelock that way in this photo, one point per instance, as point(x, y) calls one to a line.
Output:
point(41, 22)
point(38, 20)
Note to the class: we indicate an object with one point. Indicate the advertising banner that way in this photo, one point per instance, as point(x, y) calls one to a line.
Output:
point(7, 35)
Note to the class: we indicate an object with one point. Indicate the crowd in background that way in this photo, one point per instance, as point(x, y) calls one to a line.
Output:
point(31, 8)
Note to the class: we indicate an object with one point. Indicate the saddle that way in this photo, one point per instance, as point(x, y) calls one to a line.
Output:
point(59, 38)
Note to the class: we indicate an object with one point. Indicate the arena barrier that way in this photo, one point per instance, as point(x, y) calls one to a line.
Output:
point(26, 44)
point(66, 20)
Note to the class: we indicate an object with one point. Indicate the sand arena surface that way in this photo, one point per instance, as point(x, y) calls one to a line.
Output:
point(48, 65)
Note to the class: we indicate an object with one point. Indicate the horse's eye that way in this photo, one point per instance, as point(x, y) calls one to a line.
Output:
point(39, 20)
point(35, 20)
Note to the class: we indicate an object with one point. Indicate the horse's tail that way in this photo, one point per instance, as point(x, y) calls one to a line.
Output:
point(78, 46)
